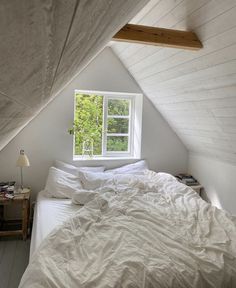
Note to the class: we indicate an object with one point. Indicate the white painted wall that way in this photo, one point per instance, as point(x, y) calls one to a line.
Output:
point(45, 138)
point(218, 179)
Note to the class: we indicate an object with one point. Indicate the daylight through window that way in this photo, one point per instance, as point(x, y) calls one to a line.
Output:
point(104, 124)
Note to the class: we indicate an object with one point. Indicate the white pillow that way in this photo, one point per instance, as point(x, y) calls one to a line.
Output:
point(74, 170)
point(91, 169)
point(134, 168)
point(61, 184)
point(83, 196)
point(93, 181)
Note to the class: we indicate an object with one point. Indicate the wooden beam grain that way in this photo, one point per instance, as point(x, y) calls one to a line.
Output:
point(158, 36)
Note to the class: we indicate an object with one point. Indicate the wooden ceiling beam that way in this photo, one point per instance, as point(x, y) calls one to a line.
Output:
point(158, 36)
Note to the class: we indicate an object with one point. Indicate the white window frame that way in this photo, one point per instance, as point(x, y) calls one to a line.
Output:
point(105, 126)
point(135, 126)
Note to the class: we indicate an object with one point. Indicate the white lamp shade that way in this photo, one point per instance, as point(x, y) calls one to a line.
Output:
point(23, 160)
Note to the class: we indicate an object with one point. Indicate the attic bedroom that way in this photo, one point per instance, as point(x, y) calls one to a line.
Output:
point(117, 143)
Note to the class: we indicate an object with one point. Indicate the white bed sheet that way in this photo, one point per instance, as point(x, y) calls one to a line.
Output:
point(49, 213)
point(154, 232)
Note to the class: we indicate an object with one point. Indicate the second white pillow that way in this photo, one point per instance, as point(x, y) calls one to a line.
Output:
point(74, 169)
point(61, 184)
point(93, 181)
point(137, 167)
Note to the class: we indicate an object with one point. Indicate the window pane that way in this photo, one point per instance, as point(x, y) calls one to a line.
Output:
point(117, 125)
point(117, 143)
point(88, 124)
point(118, 107)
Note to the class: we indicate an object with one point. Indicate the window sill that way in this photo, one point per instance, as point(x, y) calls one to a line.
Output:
point(78, 158)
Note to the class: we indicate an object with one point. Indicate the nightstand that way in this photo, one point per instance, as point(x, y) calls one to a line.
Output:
point(197, 188)
point(24, 200)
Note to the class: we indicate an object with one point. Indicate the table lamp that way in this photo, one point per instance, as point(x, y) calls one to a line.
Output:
point(22, 161)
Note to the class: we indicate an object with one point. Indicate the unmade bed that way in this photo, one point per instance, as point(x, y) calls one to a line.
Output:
point(142, 230)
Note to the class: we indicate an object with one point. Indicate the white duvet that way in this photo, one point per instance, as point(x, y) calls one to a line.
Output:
point(153, 232)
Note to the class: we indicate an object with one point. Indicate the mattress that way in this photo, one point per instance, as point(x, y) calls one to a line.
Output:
point(48, 214)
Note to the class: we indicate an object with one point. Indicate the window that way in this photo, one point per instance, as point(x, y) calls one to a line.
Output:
point(107, 125)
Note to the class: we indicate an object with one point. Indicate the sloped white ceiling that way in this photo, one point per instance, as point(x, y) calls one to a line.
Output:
point(45, 43)
point(194, 91)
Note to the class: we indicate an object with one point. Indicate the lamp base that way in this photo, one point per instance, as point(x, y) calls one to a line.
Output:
point(24, 190)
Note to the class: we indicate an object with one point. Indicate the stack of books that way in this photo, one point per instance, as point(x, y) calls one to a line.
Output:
point(187, 179)
point(7, 187)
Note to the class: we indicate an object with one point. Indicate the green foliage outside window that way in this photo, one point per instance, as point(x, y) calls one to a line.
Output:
point(117, 143)
point(118, 107)
point(117, 125)
point(88, 124)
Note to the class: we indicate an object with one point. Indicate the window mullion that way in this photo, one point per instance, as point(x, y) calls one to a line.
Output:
point(118, 134)
point(119, 116)
point(105, 111)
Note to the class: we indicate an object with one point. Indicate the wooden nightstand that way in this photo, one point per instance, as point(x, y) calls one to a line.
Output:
point(24, 200)
point(197, 188)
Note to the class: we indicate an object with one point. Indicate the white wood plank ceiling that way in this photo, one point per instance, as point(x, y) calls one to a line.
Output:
point(194, 91)
point(45, 43)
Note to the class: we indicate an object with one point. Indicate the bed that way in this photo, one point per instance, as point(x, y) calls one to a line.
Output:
point(140, 230)
point(49, 213)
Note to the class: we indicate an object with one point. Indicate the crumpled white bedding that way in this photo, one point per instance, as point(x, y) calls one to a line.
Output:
point(154, 233)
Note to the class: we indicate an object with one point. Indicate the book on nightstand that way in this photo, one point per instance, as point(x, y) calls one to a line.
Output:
point(7, 187)
point(187, 179)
